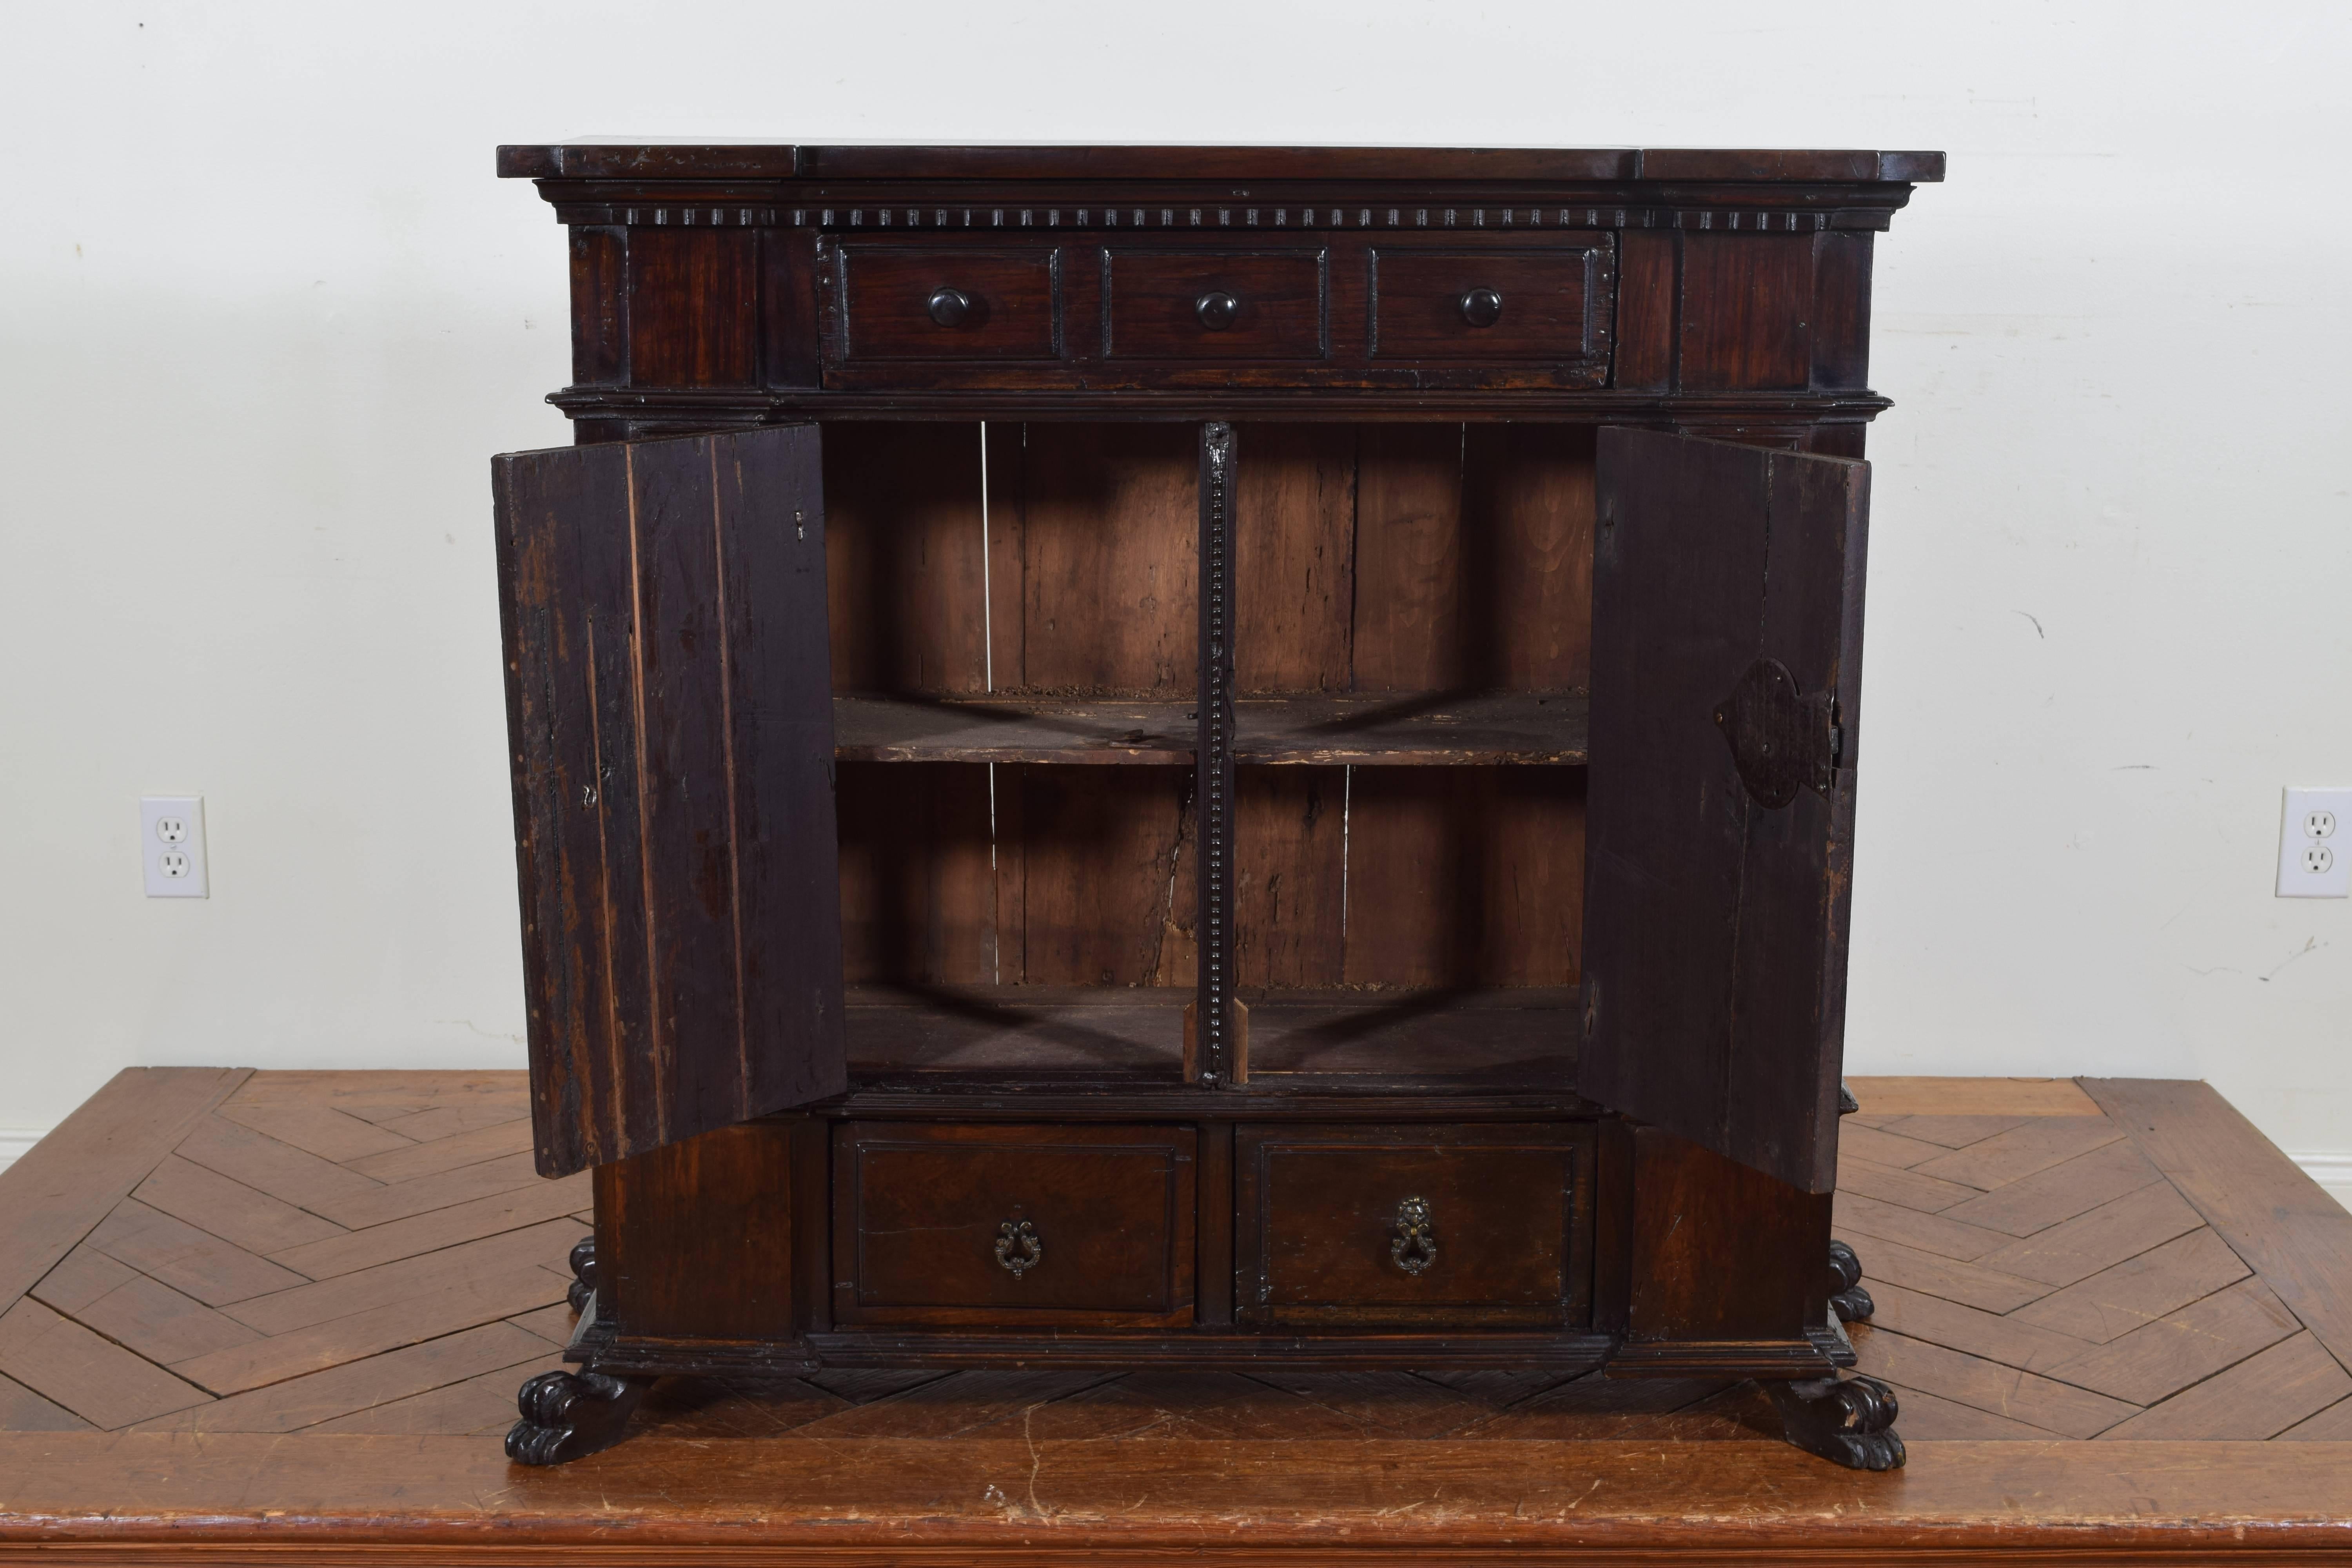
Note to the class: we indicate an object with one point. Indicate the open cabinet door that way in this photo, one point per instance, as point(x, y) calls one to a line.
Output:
point(669, 711)
point(1727, 642)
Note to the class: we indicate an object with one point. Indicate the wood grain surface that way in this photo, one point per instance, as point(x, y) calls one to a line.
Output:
point(1404, 730)
point(358, 1413)
point(64, 1185)
point(1005, 1497)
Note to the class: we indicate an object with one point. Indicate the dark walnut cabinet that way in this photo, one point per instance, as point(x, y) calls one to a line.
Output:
point(1199, 757)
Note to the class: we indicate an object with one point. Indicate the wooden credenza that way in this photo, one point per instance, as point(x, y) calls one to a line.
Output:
point(1186, 756)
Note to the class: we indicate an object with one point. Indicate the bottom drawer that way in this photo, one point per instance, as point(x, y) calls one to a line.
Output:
point(947, 1224)
point(1414, 1224)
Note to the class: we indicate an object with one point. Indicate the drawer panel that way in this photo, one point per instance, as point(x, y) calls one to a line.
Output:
point(1473, 304)
point(998, 1225)
point(968, 304)
point(1244, 306)
point(1414, 1225)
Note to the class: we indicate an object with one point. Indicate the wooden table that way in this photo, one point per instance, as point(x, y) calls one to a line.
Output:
point(282, 1316)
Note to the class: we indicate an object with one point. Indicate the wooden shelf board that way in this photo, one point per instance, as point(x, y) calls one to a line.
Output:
point(1414, 730)
point(1515, 1034)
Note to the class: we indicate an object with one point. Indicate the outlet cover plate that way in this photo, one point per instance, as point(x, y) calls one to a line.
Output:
point(172, 846)
point(2315, 844)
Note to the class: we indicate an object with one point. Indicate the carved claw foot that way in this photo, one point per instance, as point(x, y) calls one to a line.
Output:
point(1848, 1299)
point(566, 1414)
point(1848, 1421)
point(583, 1274)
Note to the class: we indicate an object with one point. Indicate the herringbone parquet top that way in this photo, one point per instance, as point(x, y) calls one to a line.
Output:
point(372, 1253)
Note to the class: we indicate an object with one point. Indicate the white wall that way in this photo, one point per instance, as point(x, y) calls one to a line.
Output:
point(264, 313)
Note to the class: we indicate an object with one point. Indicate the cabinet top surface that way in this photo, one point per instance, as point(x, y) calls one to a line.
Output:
point(640, 158)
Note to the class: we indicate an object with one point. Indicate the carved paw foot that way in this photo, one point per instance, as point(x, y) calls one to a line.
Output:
point(583, 1274)
point(1848, 1299)
point(566, 1414)
point(1848, 1421)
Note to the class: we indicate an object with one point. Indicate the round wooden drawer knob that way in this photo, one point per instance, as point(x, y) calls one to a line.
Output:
point(1482, 307)
point(1217, 310)
point(951, 307)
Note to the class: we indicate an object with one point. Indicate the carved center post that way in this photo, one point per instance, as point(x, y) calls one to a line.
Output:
point(1218, 1034)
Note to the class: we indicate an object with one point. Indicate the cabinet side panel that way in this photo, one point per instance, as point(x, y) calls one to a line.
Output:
point(600, 306)
point(1721, 1251)
point(695, 1241)
point(693, 307)
point(1747, 300)
point(1840, 319)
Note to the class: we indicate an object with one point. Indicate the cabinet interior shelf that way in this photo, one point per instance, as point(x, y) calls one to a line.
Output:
point(1414, 730)
point(1518, 1034)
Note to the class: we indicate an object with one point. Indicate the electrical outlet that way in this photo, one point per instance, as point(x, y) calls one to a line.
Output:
point(2312, 845)
point(172, 846)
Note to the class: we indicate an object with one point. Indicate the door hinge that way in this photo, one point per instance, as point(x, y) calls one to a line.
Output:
point(1781, 740)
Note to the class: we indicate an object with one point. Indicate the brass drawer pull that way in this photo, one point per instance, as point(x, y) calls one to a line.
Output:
point(1010, 1236)
point(1413, 1247)
point(951, 307)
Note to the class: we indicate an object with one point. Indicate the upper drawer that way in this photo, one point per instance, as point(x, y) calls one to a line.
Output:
point(1476, 303)
point(1416, 1225)
point(1241, 305)
point(969, 303)
point(1012, 1225)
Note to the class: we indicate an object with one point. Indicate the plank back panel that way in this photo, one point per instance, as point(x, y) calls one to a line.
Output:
point(1527, 508)
point(1109, 561)
point(1405, 558)
point(672, 757)
point(1105, 854)
point(1465, 877)
point(918, 892)
point(903, 558)
point(1294, 567)
point(1409, 609)
point(1715, 923)
point(1473, 558)
point(1290, 877)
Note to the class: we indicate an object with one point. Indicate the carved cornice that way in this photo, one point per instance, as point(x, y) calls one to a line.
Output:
point(1159, 215)
point(705, 407)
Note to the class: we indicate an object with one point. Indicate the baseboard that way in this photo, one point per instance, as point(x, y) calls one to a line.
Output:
point(15, 1141)
point(2331, 1169)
